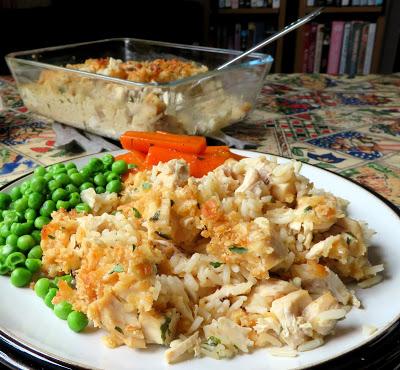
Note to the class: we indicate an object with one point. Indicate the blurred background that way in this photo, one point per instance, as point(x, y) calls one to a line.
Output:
point(365, 33)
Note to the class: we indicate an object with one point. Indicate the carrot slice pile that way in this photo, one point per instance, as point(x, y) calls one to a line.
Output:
point(147, 149)
point(142, 141)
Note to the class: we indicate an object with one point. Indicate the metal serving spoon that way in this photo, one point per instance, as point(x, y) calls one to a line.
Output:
point(275, 36)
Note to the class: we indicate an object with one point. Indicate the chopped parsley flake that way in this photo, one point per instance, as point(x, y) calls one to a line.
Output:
point(133, 247)
point(117, 328)
point(136, 212)
point(162, 235)
point(213, 341)
point(172, 202)
point(238, 250)
point(164, 328)
point(215, 264)
point(117, 268)
point(132, 165)
point(146, 186)
point(51, 236)
point(307, 209)
point(155, 217)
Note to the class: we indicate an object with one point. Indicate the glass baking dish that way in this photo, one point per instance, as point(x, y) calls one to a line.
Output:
point(201, 104)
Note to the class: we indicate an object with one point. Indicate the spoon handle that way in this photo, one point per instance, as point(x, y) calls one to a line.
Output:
point(275, 36)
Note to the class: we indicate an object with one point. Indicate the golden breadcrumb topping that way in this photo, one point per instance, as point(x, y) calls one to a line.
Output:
point(157, 70)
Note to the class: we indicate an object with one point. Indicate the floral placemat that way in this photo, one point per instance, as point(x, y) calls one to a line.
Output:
point(349, 126)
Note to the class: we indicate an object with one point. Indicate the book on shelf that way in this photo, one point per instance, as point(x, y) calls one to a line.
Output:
point(338, 47)
point(243, 36)
point(369, 49)
point(344, 2)
point(235, 4)
point(335, 47)
point(318, 48)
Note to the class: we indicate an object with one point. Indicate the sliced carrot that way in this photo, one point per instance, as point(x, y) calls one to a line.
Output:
point(142, 141)
point(236, 156)
point(216, 149)
point(157, 154)
point(207, 163)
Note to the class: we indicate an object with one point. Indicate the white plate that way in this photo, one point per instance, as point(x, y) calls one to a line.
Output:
point(26, 320)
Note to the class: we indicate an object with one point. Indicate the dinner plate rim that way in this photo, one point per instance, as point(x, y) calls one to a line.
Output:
point(49, 359)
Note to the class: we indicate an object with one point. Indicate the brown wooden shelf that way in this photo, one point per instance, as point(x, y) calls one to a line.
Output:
point(347, 9)
point(248, 11)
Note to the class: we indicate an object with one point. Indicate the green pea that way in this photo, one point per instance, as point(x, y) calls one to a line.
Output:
point(63, 179)
point(74, 199)
point(67, 278)
point(12, 216)
point(71, 188)
point(47, 208)
point(83, 207)
point(119, 167)
point(38, 183)
point(21, 204)
point(25, 186)
point(42, 287)
point(4, 230)
point(48, 176)
point(5, 200)
point(12, 240)
point(63, 204)
point(15, 193)
point(6, 251)
point(4, 270)
point(59, 172)
point(107, 159)
point(95, 165)
point(112, 176)
point(62, 310)
point(36, 252)
point(70, 166)
point(35, 200)
point(49, 297)
point(27, 192)
point(41, 221)
point(30, 214)
point(86, 185)
point(54, 185)
point(20, 229)
point(77, 179)
point(36, 235)
point(72, 171)
point(58, 166)
point(59, 194)
point(100, 180)
point(33, 264)
point(85, 172)
point(25, 242)
point(100, 190)
point(21, 277)
point(77, 321)
point(114, 186)
point(14, 259)
point(40, 171)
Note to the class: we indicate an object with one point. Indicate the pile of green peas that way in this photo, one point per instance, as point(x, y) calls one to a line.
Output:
point(47, 290)
point(28, 207)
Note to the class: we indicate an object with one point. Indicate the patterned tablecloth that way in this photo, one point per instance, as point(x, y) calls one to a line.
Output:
point(350, 126)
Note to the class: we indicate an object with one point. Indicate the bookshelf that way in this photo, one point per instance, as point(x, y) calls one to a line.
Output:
point(364, 13)
point(274, 16)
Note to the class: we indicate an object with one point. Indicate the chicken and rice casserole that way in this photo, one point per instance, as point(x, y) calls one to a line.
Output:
point(110, 108)
point(249, 256)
